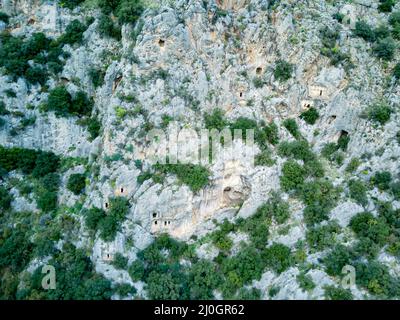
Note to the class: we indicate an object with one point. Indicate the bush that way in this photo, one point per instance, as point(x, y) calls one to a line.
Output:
point(394, 18)
point(277, 257)
point(353, 165)
point(336, 293)
point(63, 104)
point(97, 77)
point(47, 201)
point(322, 237)
point(16, 52)
point(270, 133)
point(374, 277)
point(364, 30)
point(264, 159)
point(365, 225)
point(283, 70)
point(107, 28)
point(93, 217)
point(136, 270)
point(215, 120)
point(385, 48)
point(379, 113)
point(94, 128)
point(120, 262)
point(310, 116)
point(329, 149)
point(299, 150)
point(76, 183)
point(70, 4)
point(129, 11)
point(335, 260)
point(73, 33)
point(275, 208)
point(396, 72)
point(386, 5)
point(305, 282)
point(382, 180)
point(358, 191)
point(15, 250)
point(59, 100)
point(291, 126)
point(4, 17)
point(5, 199)
point(46, 162)
point(195, 177)
point(293, 175)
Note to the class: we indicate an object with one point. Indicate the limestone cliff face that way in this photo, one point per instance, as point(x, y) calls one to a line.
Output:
point(209, 60)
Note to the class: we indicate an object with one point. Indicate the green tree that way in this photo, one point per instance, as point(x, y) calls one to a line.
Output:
point(76, 183)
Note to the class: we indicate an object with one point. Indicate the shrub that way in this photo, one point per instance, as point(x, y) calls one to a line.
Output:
point(92, 218)
point(5, 199)
point(195, 177)
point(4, 17)
point(94, 128)
point(364, 30)
point(382, 32)
point(386, 5)
point(338, 16)
point(129, 11)
point(320, 192)
point(293, 175)
point(310, 116)
point(335, 260)
point(258, 82)
point(379, 113)
point(366, 225)
point(136, 270)
point(81, 104)
point(299, 150)
point(394, 18)
point(120, 262)
point(47, 201)
point(96, 76)
point(264, 159)
point(396, 72)
point(382, 180)
point(70, 4)
point(275, 208)
point(76, 183)
point(76, 278)
point(277, 257)
point(395, 188)
point(358, 191)
point(353, 165)
point(59, 100)
point(315, 213)
point(270, 133)
point(73, 33)
point(337, 293)
point(107, 28)
point(374, 277)
point(322, 237)
point(283, 70)
point(329, 149)
point(385, 48)
point(291, 126)
point(46, 162)
point(16, 52)
point(305, 282)
point(15, 250)
point(124, 289)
